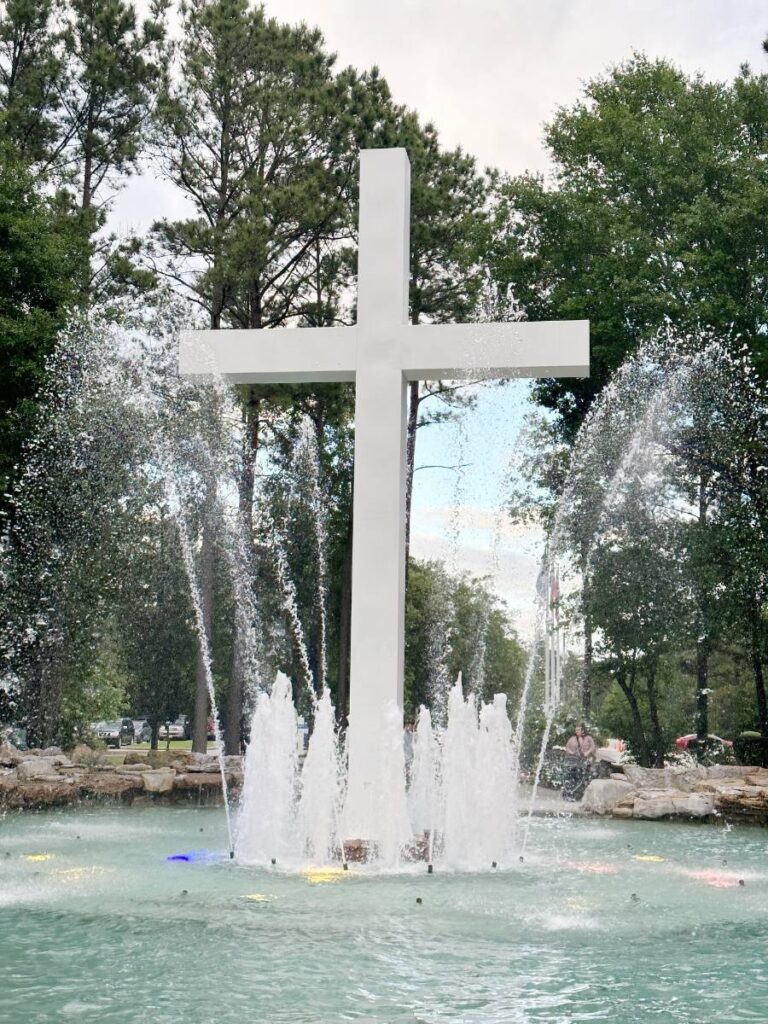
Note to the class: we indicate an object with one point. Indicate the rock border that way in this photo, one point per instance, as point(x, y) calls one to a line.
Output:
point(731, 792)
point(35, 779)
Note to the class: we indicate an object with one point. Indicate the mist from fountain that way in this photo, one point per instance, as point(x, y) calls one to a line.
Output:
point(306, 458)
point(266, 822)
point(458, 805)
point(459, 792)
point(322, 794)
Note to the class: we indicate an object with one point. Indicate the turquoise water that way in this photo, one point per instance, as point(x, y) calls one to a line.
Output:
point(94, 927)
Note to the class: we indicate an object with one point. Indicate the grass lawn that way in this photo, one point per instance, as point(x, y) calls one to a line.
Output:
point(161, 745)
point(119, 753)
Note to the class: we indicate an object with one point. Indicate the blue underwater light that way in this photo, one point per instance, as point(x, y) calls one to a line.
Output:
point(195, 855)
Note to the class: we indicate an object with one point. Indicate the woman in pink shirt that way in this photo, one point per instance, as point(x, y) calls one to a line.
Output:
point(580, 753)
point(581, 744)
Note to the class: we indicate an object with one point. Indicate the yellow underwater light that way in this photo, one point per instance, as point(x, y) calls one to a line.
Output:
point(323, 876)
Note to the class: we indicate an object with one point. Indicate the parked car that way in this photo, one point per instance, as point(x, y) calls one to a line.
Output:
point(682, 741)
point(178, 730)
point(116, 733)
point(303, 736)
point(142, 730)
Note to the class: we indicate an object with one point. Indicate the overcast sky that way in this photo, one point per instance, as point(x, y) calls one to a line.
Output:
point(489, 74)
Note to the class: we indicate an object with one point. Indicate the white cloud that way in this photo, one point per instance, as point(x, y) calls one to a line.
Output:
point(490, 73)
point(478, 541)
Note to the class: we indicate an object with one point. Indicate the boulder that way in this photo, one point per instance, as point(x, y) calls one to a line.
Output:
point(36, 768)
point(8, 782)
point(203, 763)
point(728, 771)
point(652, 804)
point(109, 784)
point(602, 795)
point(160, 780)
point(682, 780)
point(86, 756)
point(10, 756)
point(133, 757)
point(715, 785)
point(193, 780)
point(51, 752)
point(760, 778)
point(165, 758)
point(743, 801)
point(623, 811)
point(37, 793)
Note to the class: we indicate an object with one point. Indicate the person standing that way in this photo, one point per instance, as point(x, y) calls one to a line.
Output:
point(579, 754)
point(581, 744)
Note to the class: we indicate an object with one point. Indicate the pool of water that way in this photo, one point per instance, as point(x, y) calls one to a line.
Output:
point(96, 925)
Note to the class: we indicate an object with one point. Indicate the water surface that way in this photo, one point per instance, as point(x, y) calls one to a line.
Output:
point(95, 926)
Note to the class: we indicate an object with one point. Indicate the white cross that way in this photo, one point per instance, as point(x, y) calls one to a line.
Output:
point(381, 353)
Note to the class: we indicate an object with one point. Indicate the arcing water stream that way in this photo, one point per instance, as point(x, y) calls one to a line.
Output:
point(454, 799)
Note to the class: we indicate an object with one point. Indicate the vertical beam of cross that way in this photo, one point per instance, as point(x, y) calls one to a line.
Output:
point(378, 537)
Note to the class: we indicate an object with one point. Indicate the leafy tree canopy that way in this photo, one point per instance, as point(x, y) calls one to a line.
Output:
point(656, 212)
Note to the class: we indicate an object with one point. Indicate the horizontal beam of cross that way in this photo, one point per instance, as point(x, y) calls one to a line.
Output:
point(423, 352)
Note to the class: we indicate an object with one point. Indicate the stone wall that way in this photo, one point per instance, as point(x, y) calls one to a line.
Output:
point(48, 778)
point(720, 792)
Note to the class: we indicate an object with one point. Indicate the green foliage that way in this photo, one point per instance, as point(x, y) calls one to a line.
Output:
point(254, 130)
point(41, 259)
point(657, 213)
point(76, 87)
point(102, 694)
point(656, 509)
point(158, 647)
point(30, 75)
point(456, 625)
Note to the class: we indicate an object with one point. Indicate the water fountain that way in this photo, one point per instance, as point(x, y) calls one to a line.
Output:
point(293, 928)
point(460, 808)
point(443, 922)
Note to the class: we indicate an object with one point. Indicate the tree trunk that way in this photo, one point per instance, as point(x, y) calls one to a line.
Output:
point(702, 694)
point(702, 636)
point(653, 710)
point(410, 456)
point(410, 444)
point(345, 624)
point(586, 678)
point(233, 723)
point(757, 668)
point(641, 743)
point(321, 604)
point(87, 195)
point(205, 585)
